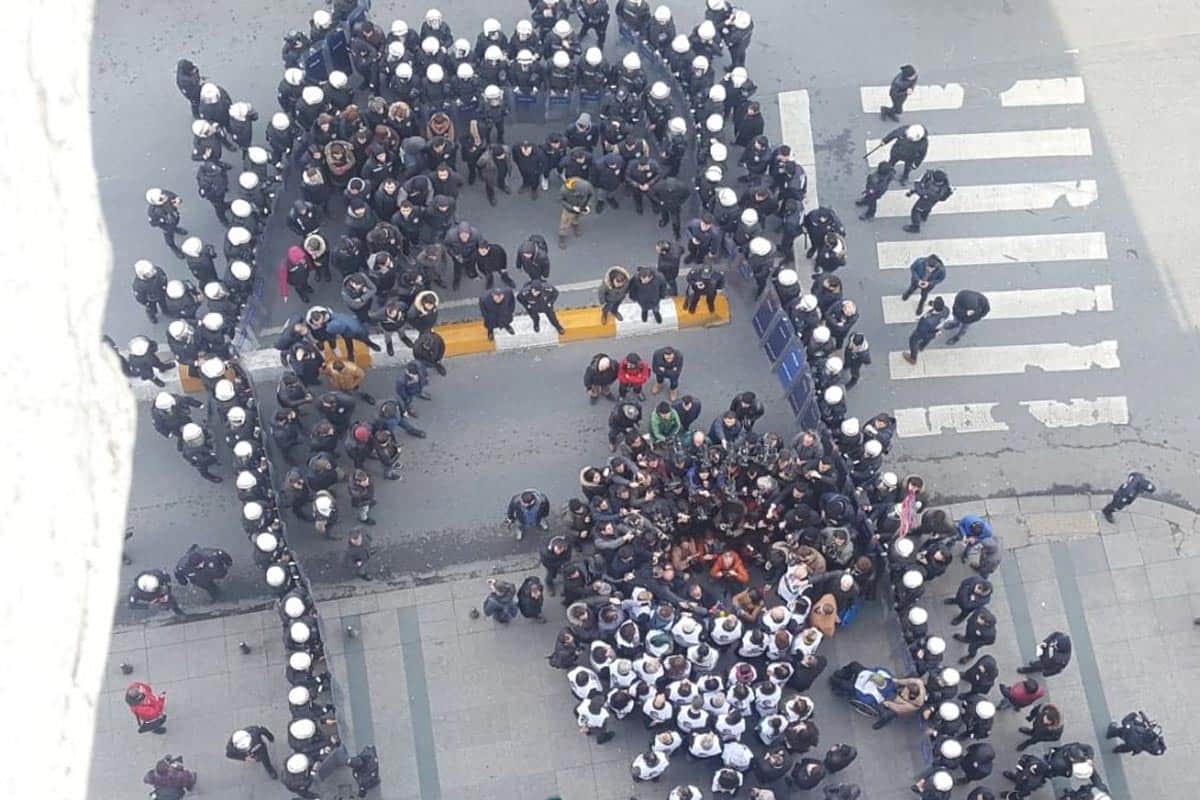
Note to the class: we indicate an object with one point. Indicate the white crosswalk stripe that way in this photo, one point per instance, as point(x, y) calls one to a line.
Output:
point(1044, 92)
point(990, 250)
point(925, 97)
point(1018, 304)
point(956, 362)
point(795, 127)
point(984, 198)
point(918, 422)
point(990, 145)
point(963, 418)
point(1077, 412)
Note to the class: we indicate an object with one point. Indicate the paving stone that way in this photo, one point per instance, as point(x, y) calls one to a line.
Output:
point(1088, 556)
point(576, 782)
point(1157, 546)
point(432, 593)
point(164, 634)
point(1035, 503)
point(1001, 506)
point(1036, 563)
point(1168, 578)
point(1011, 529)
point(1061, 524)
point(167, 662)
point(1131, 584)
point(128, 640)
point(1122, 551)
point(1097, 591)
point(356, 604)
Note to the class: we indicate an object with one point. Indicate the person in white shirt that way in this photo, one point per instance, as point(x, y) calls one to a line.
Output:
point(776, 619)
point(593, 719)
point(779, 673)
point(715, 703)
point(771, 728)
point(685, 793)
point(798, 709)
point(727, 781)
point(710, 684)
point(726, 630)
point(693, 718)
point(640, 605)
point(649, 766)
point(602, 656)
point(649, 669)
point(793, 583)
point(677, 667)
point(754, 644)
point(741, 697)
point(705, 745)
point(766, 698)
point(779, 645)
point(703, 658)
point(741, 672)
point(583, 682)
point(621, 673)
point(737, 755)
point(628, 639)
point(730, 725)
point(657, 710)
point(681, 692)
point(808, 641)
point(659, 643)
point(620, 703)
point(687, 631)
point(667, 742)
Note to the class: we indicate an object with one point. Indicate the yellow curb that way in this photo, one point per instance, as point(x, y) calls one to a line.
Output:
point(465, 338)
point(582, 324)
point(702, 318)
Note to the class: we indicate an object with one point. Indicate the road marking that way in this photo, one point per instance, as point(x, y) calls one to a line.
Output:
point(1044, 92)
point(581, 286)
point(953, 361)
point(795, 127)
point(912, 423)
point(1080, 413)
point(990, 145)
point(526, 337)
point(925, 97)
point(982, 198)
point(1017, 304)
point(984, 250)
point(632, 325)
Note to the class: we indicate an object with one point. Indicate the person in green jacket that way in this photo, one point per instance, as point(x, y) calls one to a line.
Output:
point(576, 201)
point(665, 424)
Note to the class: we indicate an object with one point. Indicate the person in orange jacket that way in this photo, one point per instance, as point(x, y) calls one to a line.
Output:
point(632, 375)
point(729, 570)
point(148, 708)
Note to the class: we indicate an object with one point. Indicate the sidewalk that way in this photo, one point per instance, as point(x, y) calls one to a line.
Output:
point(461, 709)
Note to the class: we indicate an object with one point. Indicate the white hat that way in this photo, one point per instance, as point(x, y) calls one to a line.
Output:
point(680, 44)
point(849, 426)
point(294, 76)
point(632, 62)
point(280, 121)
point(659, 90)
point(300, 661)
point(241, 740)
point(190, 432)
point(821, 334)
point(300, 633)
point(236, 416)
point(750, 217)
point(787, 277)
point(213, 321)
point(252, 510)
point(202, 128)
point(714, 123)
point(726, 196)
point(700, 64)
point(143, 268)
point(240, 110)
point(243, 449)
point(461, 48)
point(985, 709)
point(139, 346)
point(949, 711)
point(241, 270)
point(238, 235)
point(917, 616)
point(399, 28)
point(433, 17)
point(323, 502)
point(593, 56)
point(299, 695)
point(491, 25)
point(322, 18)
point(1082, 770)
point(560, 59)
point(266, 542)
point(147, 582)
point(493, 53)
point(338, 79)
point(889, 480)
point(215, 290)
point(395, 50)
point(738, 77)
point(524, 27)
point(706, 30)
point(224, 392)
point(873, 448)
point(313, 95)
point(562, 28)
point(403, 71)
point(212, 368)
point(275, 575)
point(716, 93)
point(741, 19)
point(493, 92)
point(949, 676)
point(246, 480)
point(716, 5)
point(904, 548)
point(935, 645)
point(156, 197)
point(297, 763)
point(164, 401)
point(808, 302)
point(912, 579)
point(210, 92)
point(191, 246)
point(712, 173)
point(914, 132)
point(678, 126)
point(430, 45)
point(465, 72)
point(525, 57)
point(248, 180)
point(294, 607)
point(942, 781)
point(834, 395)
point(717, 151)
point(951, 749)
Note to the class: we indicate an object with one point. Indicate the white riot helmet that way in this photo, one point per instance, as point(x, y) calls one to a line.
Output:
point(164, 401)
point(224, 392)
point(322, 18)
point(834, 395)
point(821, 334)
point(299, 632)
point(300, 661)
point(706, 31)
point(738, 77)
point(147, 583)
point(942, 781)
point(491, 26)
point(241, 208)
point(246, 481)
point(243, 449)
point(718, 152)
point(266, 542)
point(680, 44)
point(156, 197)
point(562, 29)
point(662, 15)
point(904, 549)
point(808, 302)
point(144, 268)
point(434, 73)
point(461, 48)
point(293, 76)
point(297, 764)
point(280, 121)
point(787, 277)
point(1082, 770)
point(760, 246)
point(191, 432)
point(323, 503)
point(403, 71)
point(139, 346)
point(712, 174)
point(726, 197)
point(678, 127)
point(949, 677)
point(493, 93)
point(294, 607)
point(302, 729)
point(241, 741)
point(659, 91)
point(741, 19)
point(949, 711)
point(399, 28)
point(717, 5)
point(717, 93)
point(912, 579)
point(202, 128)
point(524, 27)
point(433, 18)
point(212, 368)
point(313, 95)
point(594, 57)
point(248, 180)
point(873, 449)
point(951, 749)
point(241, 270)
point(632, 62)
point(465, 72)
point(252, 511)
point(238, 236)
point(338, 79)
point(275, 576)
point(889, 480)
point(525, 57)
point(917, 616)
point(210, 93)
point(936, 645)
point(560, 59)
point(714, 124)
point(914, 132)
point(700, 63)
point(833, 365)
point(493, 54)
point(299, 696)
point(236, 416)
point(395, 51)
point(850, 426)
point(749, 217)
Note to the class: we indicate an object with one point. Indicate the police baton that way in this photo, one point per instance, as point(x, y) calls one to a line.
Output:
point(869, 152)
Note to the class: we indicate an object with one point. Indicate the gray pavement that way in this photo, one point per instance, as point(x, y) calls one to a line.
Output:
point(460, 708)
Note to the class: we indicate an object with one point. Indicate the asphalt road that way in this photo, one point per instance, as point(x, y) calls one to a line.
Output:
point(141, 138)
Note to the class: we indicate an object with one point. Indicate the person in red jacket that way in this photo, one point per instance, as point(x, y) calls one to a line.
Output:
point(1022, 694)
point(147, 707)
point(730, 571)
point(293, 273)
point(632, 375)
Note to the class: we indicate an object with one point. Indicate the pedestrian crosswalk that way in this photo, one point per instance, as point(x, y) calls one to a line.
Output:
point(1047, 341)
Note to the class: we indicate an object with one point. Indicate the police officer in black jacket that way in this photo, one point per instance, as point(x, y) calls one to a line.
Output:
point(933, 188)
point(1126, 493)
point(496, 307)
point(902, 86)
point(203, 567)
point(969, 307)
point(538, 297)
